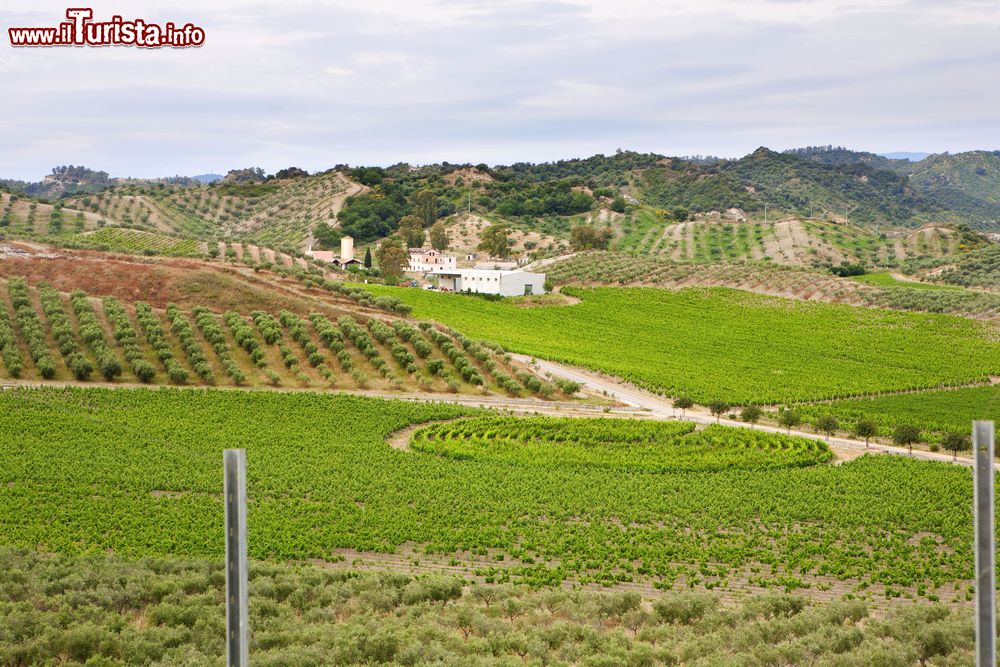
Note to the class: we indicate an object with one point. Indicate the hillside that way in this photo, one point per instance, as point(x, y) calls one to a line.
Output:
point(280, 214)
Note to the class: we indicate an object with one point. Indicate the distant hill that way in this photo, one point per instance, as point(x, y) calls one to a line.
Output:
point(905, 155)
point(637, 195)
point(812, 182)
point(966, 183)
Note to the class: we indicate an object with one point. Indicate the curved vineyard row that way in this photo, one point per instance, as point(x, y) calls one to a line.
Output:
point(616, 443)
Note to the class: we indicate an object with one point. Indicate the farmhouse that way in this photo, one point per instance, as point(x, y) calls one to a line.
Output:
point(425, 260)
point(490, 281)
point(346, 257)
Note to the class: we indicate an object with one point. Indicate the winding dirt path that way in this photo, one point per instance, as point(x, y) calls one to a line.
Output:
point(662, 409)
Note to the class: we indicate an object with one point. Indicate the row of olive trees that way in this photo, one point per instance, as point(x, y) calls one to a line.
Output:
point(904, 435)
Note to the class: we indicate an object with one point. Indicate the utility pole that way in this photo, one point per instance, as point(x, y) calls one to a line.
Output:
point(986, 626)
point(765, 213)
point(237, 603)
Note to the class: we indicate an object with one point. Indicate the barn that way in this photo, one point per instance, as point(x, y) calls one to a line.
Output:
point(489, 281)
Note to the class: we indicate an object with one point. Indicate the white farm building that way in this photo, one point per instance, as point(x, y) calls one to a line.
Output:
point(489, 281)
point(424, 260)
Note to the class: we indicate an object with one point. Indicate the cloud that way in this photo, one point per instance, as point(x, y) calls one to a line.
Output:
point(315, 83)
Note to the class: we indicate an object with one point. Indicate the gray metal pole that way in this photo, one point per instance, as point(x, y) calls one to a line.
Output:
point(986, 628)
point(237, 606)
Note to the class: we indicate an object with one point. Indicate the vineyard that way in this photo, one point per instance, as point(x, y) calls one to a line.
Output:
point(137, 473)
point(52, 337)
point(631, 445)
point(136, 241)
point(732, 346)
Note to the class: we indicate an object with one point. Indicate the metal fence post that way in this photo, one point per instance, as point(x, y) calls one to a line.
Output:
point(986, 629)
point(235, 490)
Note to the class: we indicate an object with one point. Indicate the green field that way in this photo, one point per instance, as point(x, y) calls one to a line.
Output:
point(886, 280)
point(727, 344)
point(938, 411)
point(138, 472)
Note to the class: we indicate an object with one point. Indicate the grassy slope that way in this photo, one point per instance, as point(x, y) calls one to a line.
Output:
point(142, 477)
point(886, 280)
point(729, 345)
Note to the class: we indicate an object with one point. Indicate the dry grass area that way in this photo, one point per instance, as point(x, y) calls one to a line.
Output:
point(465, 233)
point(159, 281)
point(468, 175)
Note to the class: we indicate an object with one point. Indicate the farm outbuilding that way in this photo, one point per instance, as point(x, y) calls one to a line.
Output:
point(488, 281)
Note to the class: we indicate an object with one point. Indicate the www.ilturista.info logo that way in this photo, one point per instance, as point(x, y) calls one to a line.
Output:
point(80, 30)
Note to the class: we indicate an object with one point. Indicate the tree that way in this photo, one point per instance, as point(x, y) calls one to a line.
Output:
point(717, 408)
point(588, 237)
point(827, 424)
point(425, 206)
point(789, 419)
point(326, 235)
point(865, 428)
point(905, 434)
point(368, 258)
point(392, 258)
point(439, 236)
point(411, 229)
point(684, 403)
point(495, 241)
point(751, 414)
point(955, 443)
point(291, 172)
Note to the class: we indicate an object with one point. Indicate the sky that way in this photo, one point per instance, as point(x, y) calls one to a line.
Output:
point(313, 84)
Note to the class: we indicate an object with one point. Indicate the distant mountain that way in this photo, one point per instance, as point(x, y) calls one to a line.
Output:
point(905, 155)
point(859, 190)
point(838, 155)
point(967, 183)
point(208, 178)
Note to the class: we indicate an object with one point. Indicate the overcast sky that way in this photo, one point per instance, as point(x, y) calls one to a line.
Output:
point(313, 84)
